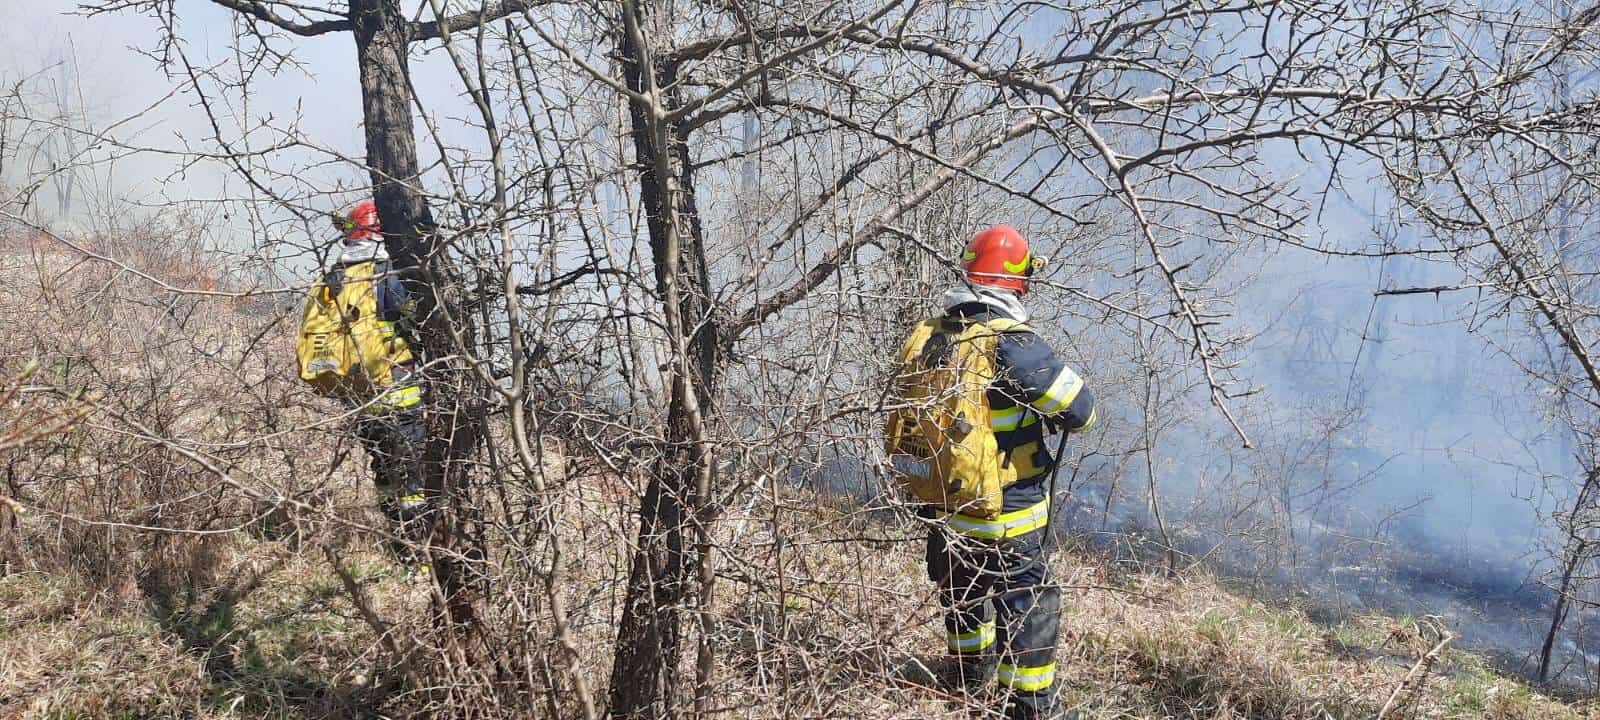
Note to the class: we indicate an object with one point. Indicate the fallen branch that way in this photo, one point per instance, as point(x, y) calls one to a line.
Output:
point(1418, 674)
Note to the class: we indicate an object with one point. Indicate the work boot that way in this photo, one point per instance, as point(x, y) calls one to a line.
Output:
point(1037, 706)
point(968, 675)
point(399, 551)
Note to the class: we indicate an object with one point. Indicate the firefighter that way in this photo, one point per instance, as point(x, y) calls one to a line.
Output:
point(1002, 608)
point(391, 425)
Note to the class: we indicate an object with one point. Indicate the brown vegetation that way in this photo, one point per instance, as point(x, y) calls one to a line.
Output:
point(147, 581)
point(661, 251)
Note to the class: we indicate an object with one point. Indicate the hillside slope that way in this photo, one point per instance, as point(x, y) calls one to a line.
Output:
point(853, 632)
point(141, 582)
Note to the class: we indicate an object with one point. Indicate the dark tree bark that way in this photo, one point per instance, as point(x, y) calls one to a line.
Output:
point(383, 36)
point(1558, 615)
point(669, 565)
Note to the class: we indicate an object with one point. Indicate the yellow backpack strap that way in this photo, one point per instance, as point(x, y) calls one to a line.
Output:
point(988, 332)
point(360, 271)
point(332, 283)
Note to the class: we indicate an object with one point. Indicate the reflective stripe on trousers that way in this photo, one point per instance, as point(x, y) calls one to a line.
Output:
point(976, 641)
point(1005, 584)
point(1031, 678)
point(395, 398)
point(401, 498)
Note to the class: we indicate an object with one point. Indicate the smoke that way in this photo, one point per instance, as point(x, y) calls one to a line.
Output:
point(1403, 463)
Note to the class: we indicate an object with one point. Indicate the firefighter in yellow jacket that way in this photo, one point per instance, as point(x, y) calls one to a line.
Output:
point(391, 426)
point(1002, 608)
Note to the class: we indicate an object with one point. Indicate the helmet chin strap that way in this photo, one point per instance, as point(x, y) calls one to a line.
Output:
point(969, 275)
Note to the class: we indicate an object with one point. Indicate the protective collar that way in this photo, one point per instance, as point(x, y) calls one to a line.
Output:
point(362, 251)
point(1004, 301)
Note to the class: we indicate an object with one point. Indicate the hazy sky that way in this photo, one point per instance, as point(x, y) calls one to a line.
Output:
point(117, 79)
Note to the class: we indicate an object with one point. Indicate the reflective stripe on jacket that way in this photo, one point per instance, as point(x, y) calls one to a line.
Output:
point(1008, 524)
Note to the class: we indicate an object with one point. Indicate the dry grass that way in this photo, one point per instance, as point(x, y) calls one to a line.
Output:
point(822, 608)
point(851, 631)
point(1133, 646)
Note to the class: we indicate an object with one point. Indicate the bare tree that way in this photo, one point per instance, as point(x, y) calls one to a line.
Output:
point(683, 236)
point(383, 36)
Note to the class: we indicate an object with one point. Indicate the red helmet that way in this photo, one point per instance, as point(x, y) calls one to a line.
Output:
point(360, 222)
point(999, 257)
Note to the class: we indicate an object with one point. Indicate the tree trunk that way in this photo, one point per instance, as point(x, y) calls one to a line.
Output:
point(1573, 557)
point(673, 548)
point(382, 35)
point(1559, 615)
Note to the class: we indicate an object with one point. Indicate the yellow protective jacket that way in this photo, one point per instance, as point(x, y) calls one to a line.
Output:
point(354, 343)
